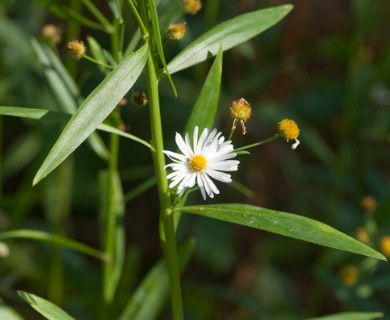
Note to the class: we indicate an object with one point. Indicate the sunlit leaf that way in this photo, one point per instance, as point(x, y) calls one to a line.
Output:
point(95, 108)
point(59, 117)
point(351, 316)
point(7, 313)
point(52, 239)
point(64, 88)
point(206, 105)
point(286, 224)
point(46, 308)
point(228, 34)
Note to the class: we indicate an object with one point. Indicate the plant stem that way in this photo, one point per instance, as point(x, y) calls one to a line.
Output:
point(276, 136)
point(167, 230)
point(109, 245)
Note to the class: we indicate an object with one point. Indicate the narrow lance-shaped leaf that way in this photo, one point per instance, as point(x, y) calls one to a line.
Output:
point(54, 240)
point(351, 316)
point(64, 88)
point(54, 116)
point(96, 107)
point(286, 224)
point(206, 105)
point(229, 34)
point(46, 308)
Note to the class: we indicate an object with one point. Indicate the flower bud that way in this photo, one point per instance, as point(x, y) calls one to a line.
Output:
point(176, 31)
point(191, 6)
point(241, 111)
point(289, 131)
point(51, 32)
point(385, 245)
point(349, 275)
point(140, 99)
point(77, 49)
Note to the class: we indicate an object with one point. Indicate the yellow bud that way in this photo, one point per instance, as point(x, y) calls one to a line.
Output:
point(241, 111)
point(385, 245)
point(349, 275)
point(191, 6)
point(51, 32)
point(176, 31)
point(362, 235)
point(77, 49)
point(369, 204)
point(289, 129)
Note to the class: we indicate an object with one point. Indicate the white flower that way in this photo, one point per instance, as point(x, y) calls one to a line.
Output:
point(205, 159)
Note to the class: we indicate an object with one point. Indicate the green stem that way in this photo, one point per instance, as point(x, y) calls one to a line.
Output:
point(98, 15)
point(276, 136)
point(167, 235)
point(97, 62)
point(109, 245)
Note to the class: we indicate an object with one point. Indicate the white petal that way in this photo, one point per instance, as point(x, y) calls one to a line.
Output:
point(220, 176)
point(186, 150)
point(195, 139)
point(295, 145)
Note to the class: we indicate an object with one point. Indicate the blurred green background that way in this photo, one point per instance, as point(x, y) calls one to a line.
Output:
point(327, 66)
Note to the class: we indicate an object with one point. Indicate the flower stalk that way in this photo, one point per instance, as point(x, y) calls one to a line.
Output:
point(167, 224)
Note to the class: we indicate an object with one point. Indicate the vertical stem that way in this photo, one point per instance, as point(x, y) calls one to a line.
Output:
point(109, 245)
point(166, 214)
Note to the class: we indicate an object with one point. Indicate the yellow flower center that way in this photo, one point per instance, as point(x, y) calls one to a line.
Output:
point(289, 129)
point(197, 163)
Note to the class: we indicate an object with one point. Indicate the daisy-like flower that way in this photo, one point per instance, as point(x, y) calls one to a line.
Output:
point(206, 158)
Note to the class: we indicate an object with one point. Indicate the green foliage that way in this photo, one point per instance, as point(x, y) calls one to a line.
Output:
point(227, 34)
point(46, 308)
point(286, 224)
point(343, 119)
point(95, 108)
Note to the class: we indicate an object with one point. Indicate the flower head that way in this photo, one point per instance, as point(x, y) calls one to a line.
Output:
point(349, 275)
point(191, 6)
point(240, 111)
point(176, 31)
point(77, 49)
point(289, 131)
point(140, 99)
point(51, 32)
point(385, 245)
point(207, 157)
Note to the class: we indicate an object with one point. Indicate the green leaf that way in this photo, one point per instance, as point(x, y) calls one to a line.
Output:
point(46, 308)
point(229, 34)
point(286, 224)
point(95, 108)
point(7, 313)
point(150, 296)
point(54, 116)
point(54, 240)
point(97, 53)
point(351, 316)
point(112, 206)
point(64, 88)
point(206, 105)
